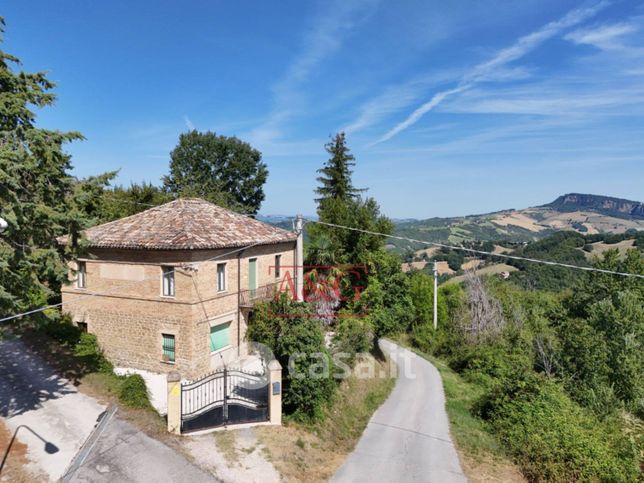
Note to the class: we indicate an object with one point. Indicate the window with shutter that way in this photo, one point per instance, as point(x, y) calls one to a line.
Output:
point(219, 336)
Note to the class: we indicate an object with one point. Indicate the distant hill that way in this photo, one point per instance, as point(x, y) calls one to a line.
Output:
point(604, 205)
point(583, 213)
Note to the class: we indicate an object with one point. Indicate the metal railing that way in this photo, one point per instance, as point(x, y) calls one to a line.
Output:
point(247, 298)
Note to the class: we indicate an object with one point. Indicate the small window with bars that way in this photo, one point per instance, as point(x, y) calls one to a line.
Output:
point(278, 266)
point(168, 347)
point(81, 275)
point(221, 277)
point(168, 281)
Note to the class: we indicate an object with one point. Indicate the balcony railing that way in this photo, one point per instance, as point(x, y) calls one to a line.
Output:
point(248, 298)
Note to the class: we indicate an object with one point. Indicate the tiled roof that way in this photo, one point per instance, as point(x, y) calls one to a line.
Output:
point(185, 224)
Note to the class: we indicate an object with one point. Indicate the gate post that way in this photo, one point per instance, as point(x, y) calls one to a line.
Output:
point(275, 392)
point(174, 402)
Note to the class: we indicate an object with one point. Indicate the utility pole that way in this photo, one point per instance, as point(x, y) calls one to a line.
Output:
point(435, 295)
point(299, 258)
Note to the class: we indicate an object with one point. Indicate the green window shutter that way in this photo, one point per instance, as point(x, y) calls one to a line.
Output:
point(168, 347)
point(219, 336)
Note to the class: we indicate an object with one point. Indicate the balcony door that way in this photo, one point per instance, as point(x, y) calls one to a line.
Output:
point(252, 277)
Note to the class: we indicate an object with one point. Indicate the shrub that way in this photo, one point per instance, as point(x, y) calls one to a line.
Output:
point(88, 350)
point(63, 331)
point(134, 393)
point(551, 437)
point(353, 335)
point(297, 342)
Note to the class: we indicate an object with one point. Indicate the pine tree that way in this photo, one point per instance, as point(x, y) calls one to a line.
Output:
point(336, 173)
point(36, 192)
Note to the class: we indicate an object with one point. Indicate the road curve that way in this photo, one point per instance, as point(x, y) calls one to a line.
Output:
point(407, 438)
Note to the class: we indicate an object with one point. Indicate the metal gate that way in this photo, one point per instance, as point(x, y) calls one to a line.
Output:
point(229, 396)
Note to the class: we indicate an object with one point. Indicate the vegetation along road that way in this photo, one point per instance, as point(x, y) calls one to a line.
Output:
point(408, 438)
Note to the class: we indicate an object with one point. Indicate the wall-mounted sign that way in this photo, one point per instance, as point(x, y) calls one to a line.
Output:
point(277, 388)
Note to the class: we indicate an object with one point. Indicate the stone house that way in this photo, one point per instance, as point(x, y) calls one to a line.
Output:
point(171, 288)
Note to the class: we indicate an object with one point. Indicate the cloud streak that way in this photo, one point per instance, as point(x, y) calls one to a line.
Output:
point(323, 40)
point(498, 62)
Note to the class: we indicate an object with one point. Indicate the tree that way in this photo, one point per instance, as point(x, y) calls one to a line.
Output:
point(336, 173)
point(224, 170)
point(36, 192)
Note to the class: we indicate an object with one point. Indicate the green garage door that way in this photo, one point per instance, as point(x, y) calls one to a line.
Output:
point(219, 336)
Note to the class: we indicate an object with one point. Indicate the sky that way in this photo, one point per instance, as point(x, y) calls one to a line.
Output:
point(450, 108)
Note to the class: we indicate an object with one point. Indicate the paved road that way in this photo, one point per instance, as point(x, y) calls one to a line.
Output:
point(407, 438)
point(124, 454)
point(43, 407)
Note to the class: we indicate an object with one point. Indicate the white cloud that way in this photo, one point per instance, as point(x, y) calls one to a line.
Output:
point(323, 39)
point(605, 37)
point(496, 64)
point(189, 124)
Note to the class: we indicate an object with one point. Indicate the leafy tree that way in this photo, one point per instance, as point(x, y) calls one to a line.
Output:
point(224, 170)
point(297, 341)
point(36, 192)
point(335, 181)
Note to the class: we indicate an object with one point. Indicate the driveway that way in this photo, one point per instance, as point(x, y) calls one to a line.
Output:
point(54, 420)
point(407, 438)
point(45, 411)
point(122, 453)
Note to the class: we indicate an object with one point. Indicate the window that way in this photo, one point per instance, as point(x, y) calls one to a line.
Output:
point(219, 336)
point(81, 275)
point(278, 262)
point(221, 277)
point(168, 281)
point(168, 347)
point(82, 326)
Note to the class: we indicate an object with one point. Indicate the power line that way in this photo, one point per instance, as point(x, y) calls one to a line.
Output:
point(482, 252)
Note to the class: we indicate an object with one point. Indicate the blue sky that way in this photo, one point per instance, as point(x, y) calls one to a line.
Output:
point(450, 108)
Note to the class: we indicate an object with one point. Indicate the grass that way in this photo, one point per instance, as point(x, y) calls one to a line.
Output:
point(225, 442)
point(314, 452)
point(482, 456)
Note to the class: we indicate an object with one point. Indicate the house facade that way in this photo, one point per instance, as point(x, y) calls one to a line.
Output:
point(171, 288)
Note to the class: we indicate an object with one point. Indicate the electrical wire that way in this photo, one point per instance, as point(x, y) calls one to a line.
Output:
point(482, 252)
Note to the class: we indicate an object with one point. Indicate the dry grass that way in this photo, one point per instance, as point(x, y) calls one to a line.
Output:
point(518, 219)
point(406, 267)
point(600, 247)
point(488, 270)
point(225, 442)
point(314, 453)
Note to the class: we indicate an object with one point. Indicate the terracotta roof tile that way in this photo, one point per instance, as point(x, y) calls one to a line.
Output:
point(185, 224)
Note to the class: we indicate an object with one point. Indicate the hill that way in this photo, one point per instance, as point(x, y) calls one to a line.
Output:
point(583, 213)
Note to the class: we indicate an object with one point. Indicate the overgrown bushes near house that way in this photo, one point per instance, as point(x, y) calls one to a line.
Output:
point(297, 342)
point(133, 392)
point(87, 357)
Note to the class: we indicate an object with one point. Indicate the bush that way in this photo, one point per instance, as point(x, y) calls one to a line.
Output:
point(353, 335)
point(297, 342)
point(63, 331)
point(88, 350)
point(551, 437)
point(134, 393)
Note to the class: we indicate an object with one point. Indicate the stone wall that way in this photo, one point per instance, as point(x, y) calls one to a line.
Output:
point(122, 303)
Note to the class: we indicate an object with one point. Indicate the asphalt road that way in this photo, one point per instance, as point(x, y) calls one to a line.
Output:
point(121, 453)
point(43, 410)
point(407, 438)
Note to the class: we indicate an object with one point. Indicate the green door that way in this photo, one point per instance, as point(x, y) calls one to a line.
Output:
point(252, 276)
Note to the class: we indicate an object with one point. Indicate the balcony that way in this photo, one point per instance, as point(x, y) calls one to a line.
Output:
point(248, 298)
